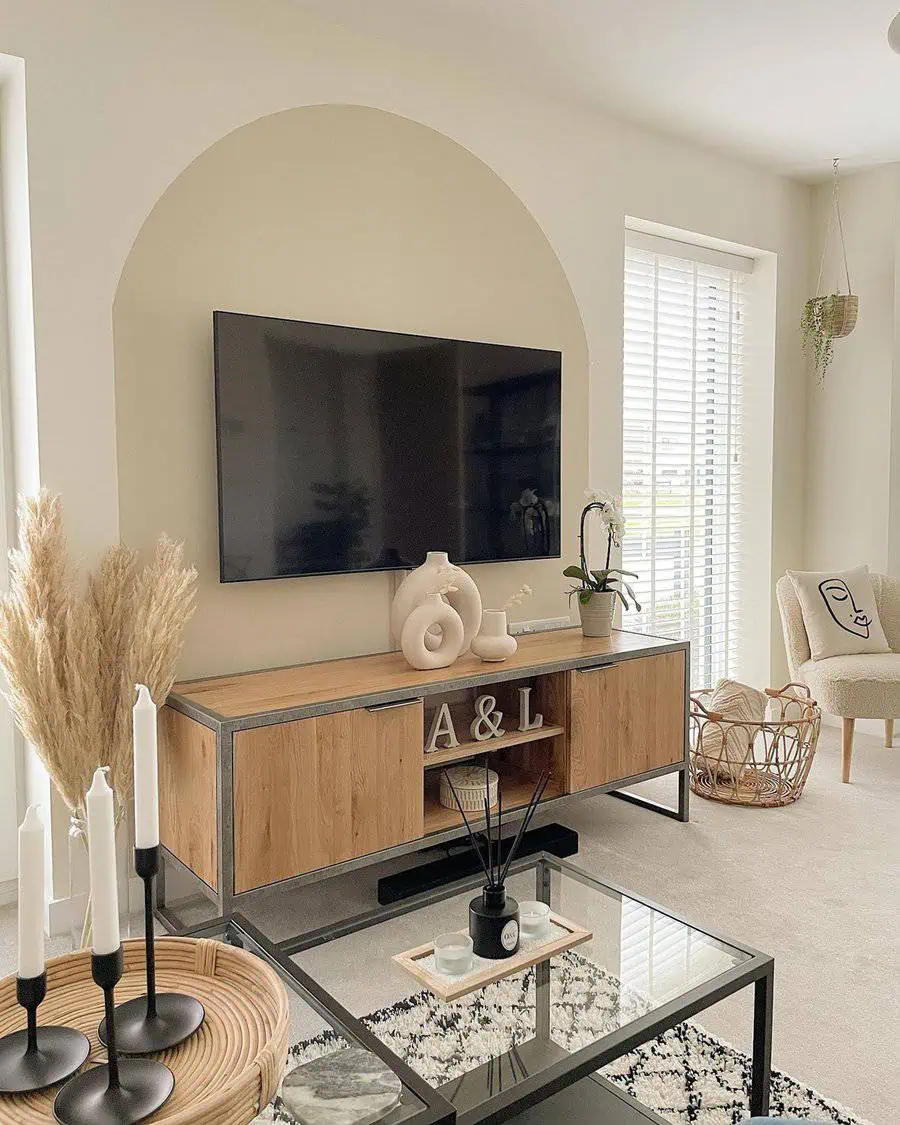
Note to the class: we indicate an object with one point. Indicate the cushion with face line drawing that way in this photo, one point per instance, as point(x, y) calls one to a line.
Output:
point(839, 612)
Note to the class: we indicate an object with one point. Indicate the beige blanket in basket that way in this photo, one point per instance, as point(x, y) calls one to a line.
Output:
point(723, 747)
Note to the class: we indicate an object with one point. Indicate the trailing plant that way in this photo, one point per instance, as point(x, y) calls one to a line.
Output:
point(610, 579)
point(828, 317)
point(818, 346)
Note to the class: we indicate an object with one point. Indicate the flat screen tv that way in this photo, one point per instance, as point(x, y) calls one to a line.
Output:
point(347, 449)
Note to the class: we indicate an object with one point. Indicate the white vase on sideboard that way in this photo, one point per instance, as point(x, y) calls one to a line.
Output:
point(493, 641)
point(437, 571)
point(433, 611)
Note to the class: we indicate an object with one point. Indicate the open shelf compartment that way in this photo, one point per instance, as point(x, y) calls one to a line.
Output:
point(519, 757)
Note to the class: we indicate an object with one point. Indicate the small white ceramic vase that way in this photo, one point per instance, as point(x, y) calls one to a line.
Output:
point(597, 613)
point(436, 571)
point(433, 611)
point(493, 641)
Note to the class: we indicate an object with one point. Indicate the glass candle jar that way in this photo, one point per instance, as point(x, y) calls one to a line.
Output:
point(534, 920)
point(453, 954)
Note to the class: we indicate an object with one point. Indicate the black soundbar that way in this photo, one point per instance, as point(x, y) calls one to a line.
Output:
point(553, 838)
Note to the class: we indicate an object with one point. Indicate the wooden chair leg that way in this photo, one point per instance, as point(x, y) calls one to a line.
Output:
point(847, 748)
point(889, 732)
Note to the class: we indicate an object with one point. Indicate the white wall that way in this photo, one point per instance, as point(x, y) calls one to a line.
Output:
point(122, 97)
point(851, 505)
point(337, 214)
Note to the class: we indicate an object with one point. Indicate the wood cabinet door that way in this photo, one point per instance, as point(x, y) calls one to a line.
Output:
point(187, 793)
point(315, 792)
point(626, 719)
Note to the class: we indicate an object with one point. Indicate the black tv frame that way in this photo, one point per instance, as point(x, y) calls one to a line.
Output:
point(223, 580)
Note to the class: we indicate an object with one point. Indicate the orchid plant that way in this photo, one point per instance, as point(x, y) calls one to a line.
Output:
point(610, 580)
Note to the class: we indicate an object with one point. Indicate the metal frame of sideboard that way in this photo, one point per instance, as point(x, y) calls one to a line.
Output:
point(228, 902)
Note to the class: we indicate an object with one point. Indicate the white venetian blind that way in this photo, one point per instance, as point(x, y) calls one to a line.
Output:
point(683, 364)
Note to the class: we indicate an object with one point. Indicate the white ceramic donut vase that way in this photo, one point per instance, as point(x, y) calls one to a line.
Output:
point(437, 571)
point(433, 611)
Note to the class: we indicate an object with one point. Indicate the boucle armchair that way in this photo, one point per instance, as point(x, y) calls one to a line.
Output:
point(853, 687)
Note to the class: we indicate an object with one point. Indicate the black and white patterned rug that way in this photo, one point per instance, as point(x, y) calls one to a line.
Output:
point(686, 1075)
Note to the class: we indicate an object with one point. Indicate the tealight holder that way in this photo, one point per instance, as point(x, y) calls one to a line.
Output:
point(534, 920)
point(453, 954)
point(38, 1057)
point(156, 1021)
point(124, 1091)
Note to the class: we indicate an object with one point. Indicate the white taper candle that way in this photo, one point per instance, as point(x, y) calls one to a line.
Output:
point(31, 894)
point(146, 782)
point(102, 855)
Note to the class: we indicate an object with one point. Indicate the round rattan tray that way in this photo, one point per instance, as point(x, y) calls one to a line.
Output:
point(224, 1074)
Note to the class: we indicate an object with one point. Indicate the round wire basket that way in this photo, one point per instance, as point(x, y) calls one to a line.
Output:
point(743, 762)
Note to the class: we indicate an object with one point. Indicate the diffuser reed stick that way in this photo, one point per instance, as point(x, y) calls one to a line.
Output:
point(472, 840)
point(526, 820)
point(495, 869)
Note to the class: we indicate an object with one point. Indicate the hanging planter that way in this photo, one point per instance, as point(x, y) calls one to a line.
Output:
point(830, 317)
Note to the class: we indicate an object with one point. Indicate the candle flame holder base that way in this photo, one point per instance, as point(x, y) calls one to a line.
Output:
point(176, 1018)
point(156, 1021)
point(124, 1091)
point(38, 1057)
point(91, 1099)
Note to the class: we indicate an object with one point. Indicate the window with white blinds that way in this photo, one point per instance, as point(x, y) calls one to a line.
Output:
point(682, 443)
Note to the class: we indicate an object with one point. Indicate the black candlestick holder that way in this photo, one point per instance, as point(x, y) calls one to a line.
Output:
point(124, 1091)
point(39, 1056)
point(156, 1021)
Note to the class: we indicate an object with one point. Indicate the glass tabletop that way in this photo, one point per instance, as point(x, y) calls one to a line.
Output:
point(639, 962)
point(317, 1035)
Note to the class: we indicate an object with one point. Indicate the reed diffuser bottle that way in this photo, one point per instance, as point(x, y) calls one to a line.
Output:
point(494, 923)
point(494, 915)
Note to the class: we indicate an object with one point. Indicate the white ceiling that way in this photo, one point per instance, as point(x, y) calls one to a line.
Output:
point(786, 83)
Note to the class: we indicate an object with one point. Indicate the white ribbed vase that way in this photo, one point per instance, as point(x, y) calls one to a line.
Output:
point(493, 641)
point(597, 614)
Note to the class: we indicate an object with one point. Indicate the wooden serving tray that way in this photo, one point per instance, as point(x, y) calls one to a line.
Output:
point(224, 1074)
point(564, 935)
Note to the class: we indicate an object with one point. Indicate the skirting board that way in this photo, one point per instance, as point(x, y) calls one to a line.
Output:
point(8, 891)
point(63, 913)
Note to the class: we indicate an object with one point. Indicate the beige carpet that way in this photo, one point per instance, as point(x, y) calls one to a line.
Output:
point(815, 884)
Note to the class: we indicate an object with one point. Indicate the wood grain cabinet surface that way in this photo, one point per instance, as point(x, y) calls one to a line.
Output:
point(625, 719)
point(319, 791)
point(187, 793)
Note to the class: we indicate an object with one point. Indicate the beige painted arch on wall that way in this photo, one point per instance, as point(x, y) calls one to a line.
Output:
point(342, 214)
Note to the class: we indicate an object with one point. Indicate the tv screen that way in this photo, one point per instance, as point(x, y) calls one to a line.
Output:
point(347, 449)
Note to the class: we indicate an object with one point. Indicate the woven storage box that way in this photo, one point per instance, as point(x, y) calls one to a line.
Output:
point(755, 763)
point(468, 781)
point(224, 1074)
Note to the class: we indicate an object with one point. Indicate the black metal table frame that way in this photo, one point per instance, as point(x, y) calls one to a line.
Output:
point(757, 970)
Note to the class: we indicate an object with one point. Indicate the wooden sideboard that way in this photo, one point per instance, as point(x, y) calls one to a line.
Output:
point(300, 773)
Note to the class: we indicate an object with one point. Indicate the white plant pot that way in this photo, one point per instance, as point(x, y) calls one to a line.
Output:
point(436, 571)
point(597, 614)
point(493, 641)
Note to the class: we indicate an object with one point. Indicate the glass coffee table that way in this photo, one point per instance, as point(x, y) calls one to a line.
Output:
point(504, 1049)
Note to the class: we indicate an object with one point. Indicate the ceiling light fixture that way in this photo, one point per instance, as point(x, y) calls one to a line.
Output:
point(894, 33)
